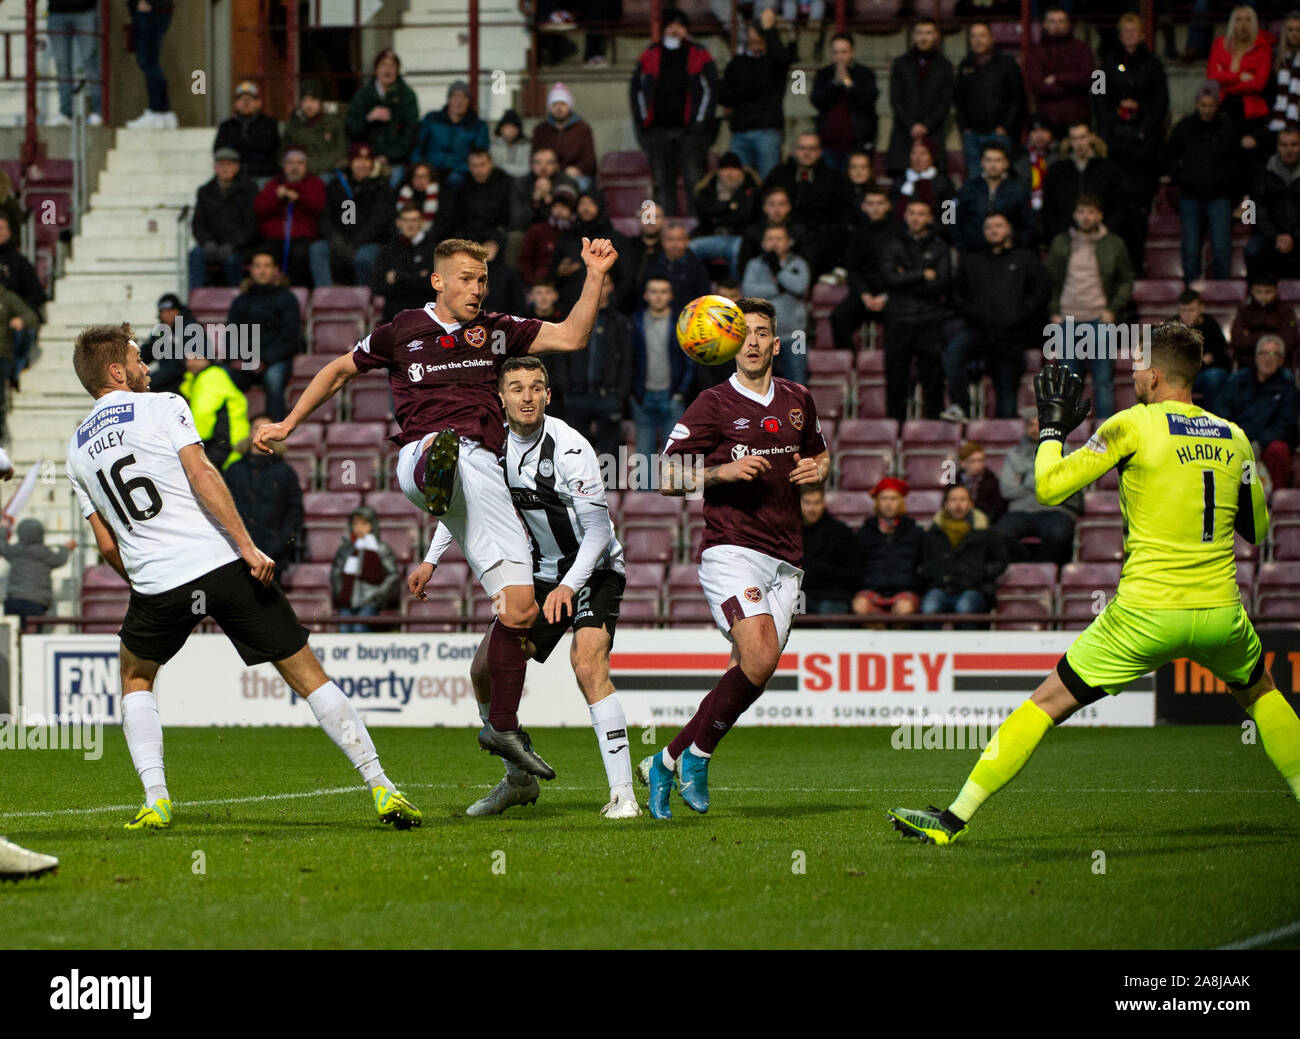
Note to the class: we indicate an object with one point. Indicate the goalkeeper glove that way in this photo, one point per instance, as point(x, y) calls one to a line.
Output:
point(1056, 391)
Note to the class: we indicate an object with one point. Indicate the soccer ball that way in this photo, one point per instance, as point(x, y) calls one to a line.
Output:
point(711, 329)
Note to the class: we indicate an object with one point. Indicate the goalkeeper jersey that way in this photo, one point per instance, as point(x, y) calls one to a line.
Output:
point(1188, 480)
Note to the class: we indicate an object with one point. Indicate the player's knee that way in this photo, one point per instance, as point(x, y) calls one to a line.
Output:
point(518, 615)
point(1247, 697)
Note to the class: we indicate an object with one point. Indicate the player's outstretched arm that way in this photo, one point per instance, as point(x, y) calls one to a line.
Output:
point(327, 382)
point(107, 544)
point(573, 332)
point(213, 494)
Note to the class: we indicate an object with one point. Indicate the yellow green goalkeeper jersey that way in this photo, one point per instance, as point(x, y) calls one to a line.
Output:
point(1188, 480)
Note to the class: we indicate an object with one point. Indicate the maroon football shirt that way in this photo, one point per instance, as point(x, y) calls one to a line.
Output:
point(727, 422)
point(446, 380)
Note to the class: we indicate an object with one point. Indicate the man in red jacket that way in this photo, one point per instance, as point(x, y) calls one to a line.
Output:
point(1059, 71)
point(288, 210)
point(674, 92)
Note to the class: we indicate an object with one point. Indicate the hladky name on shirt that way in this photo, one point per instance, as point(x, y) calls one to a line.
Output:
point(1205, 453)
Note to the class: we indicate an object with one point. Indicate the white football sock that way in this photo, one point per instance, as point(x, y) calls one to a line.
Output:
point(611, 736)
point(144, 738)
point(513, 771)
point(336, 715)
point(695, 749)
point(669, 762)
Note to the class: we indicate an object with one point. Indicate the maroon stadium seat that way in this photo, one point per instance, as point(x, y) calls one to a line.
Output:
point(347, 306)
point(325, 521)
point(861, 472)
point(649, 544)
point(651, 509)
point(211, 304)
point(829, 401)
point(644, 576)
point(830, 365)
point(370, 400)
point(301, 294)
point(871, 365)
point(310, 606)
point(1021, 614)
point(1286, 543)
point(871, 401)
point(111, 610)
point(929, 471)
point(922, 505)
point(851, 507)
point(878, 433)
point(1288, 289)
point(1151, 293)
point(307, 439)
point(638, 612)
point(629, 164)
point(1100, 542)
point(995, 434)
point(1278, 589)
point(304, 466)
point(1285, 502)
point(626, 200)
point(683, 577)
point(420, 615)
point(332, 338)
point(930, 434)
point(826, 297)
point(1100, 503)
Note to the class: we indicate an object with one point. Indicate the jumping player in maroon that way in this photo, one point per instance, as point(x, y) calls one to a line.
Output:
point(760, 439)
point(443, 362)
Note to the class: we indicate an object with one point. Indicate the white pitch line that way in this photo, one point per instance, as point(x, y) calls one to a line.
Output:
point(257, 798)
point(1266, 938)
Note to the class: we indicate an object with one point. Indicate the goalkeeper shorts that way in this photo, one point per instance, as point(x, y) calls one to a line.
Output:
point(1124, 643)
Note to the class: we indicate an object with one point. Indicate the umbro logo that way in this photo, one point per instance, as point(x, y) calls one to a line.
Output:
point(415, 344)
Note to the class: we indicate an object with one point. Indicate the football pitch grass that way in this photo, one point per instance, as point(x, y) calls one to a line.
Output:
point(1197, 835)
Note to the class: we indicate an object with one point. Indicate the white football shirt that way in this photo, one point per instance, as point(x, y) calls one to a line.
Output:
point(551, 476)
point(123, 464)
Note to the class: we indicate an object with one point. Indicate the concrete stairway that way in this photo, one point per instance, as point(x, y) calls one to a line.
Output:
point(124, 258)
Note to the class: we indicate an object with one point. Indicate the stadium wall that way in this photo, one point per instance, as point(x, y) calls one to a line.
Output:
point(825, 677)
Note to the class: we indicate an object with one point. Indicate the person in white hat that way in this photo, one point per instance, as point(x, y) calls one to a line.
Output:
point(568, 135)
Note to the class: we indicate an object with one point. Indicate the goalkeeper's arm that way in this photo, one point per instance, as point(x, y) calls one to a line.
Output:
point(1057, 475)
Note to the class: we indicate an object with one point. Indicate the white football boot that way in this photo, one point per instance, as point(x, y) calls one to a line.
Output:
point(16, 862)
point(621, 807)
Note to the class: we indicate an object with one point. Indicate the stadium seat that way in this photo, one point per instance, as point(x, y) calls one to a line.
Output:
point(304, 577)
point(1157, 293)
point(1080, 585)
point(427, 615)
point(649, 544)
point(861, 472)
point(332, 338)
point(370, 400)
point(325, 521)
point(626, 200)
point(826, 297)
point(651, 509)
point(346, 306)
point(111, 610)
point(211, 304)
point(353, 457)
point(830, 432)
point(644, 577)
point(638, 612)
point(1100, 503)
point(307, 441)
point(310, 607)
point(301, 294)
point(929, 471)
point(922, 505)
point(830, 366)
point(996, 435)
point(102, 579)
point(1013, 613)
point(1100, 542)
point(875, 433)
point(1286, 542)
point(930, 434)
point(1161, 262)
point(1277, 591)
point(614, 501)
point(304, 466)
point(628, 165)
point(871, 366)
point(1288, 290)
point(829, 401)
point(871, 401)
point(850, 507)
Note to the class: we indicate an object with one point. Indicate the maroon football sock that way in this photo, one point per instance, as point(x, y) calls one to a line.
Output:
point(731, 697)
point(506, 666)
point(692, 728)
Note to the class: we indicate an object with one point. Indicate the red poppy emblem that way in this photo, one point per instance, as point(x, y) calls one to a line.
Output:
point(771, 425)
point(446, 342)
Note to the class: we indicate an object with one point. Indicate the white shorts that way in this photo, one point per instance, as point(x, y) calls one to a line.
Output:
point(481, 517)
point(741, 582)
